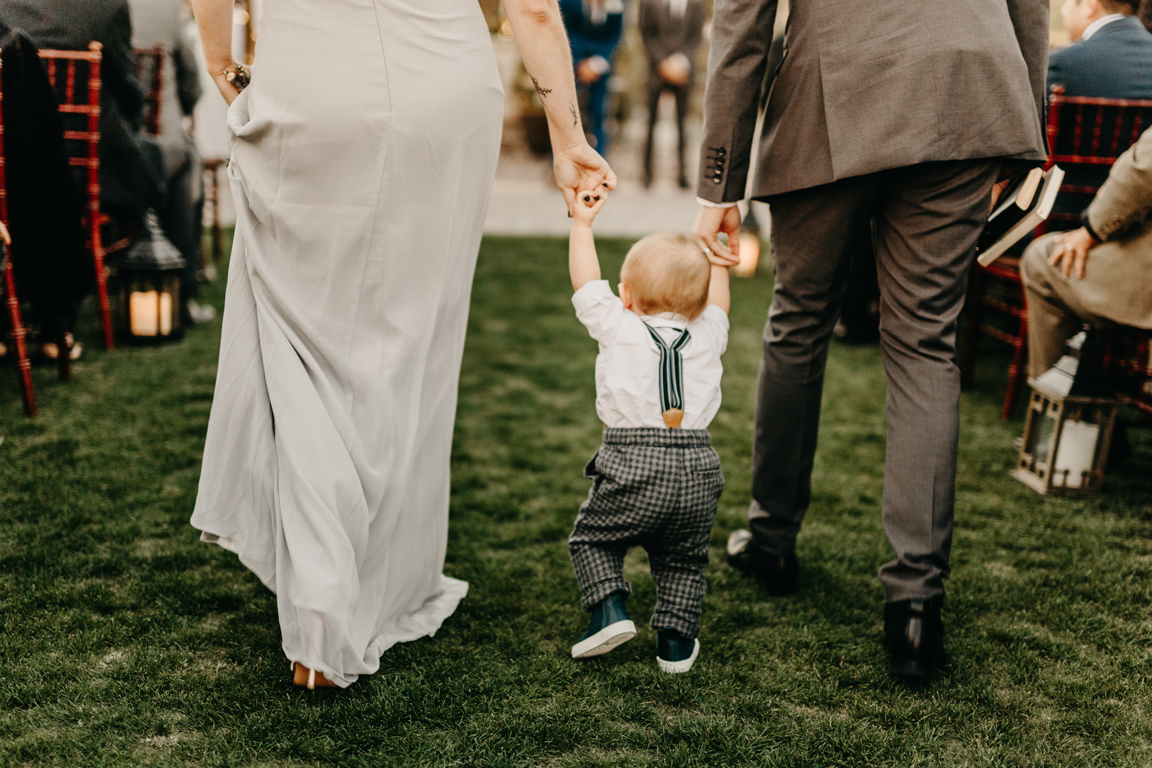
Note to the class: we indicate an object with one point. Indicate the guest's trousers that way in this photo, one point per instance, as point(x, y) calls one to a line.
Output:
point(1116, 288)
point(656, 88)
point(926, 222)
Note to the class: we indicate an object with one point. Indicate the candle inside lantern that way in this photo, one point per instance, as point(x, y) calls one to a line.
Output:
point(149, 312)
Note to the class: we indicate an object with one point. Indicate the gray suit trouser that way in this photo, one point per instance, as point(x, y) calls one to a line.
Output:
point(925, 221)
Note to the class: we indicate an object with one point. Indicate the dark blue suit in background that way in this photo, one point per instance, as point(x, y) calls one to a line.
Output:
point(587, 39)
point(1115, 63)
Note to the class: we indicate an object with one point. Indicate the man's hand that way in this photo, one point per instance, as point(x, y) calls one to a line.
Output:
point(709, 224)
point(590, 70)
point(675, 69)
point(1071, 251)
point(580, 168)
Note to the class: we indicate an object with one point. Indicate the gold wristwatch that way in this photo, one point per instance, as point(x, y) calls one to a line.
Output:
point(238, 76)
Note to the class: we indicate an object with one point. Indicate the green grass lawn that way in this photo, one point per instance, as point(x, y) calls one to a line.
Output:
point(125, 641)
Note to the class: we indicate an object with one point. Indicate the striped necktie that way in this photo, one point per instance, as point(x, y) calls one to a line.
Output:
point(671, 376)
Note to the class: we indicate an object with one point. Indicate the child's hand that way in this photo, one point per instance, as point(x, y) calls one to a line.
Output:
point(588, 204)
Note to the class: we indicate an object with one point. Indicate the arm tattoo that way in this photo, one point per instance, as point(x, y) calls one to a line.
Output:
point(575, 115)
point(542, 91)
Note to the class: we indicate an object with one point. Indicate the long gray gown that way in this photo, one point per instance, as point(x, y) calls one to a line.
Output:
point(362, 160)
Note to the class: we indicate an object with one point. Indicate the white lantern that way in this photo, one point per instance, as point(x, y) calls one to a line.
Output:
point(1069, 426)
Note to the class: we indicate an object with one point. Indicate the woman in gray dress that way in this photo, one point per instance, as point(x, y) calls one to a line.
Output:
point(363, 154)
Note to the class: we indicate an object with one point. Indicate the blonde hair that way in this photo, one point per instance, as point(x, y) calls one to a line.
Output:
point(667, 272)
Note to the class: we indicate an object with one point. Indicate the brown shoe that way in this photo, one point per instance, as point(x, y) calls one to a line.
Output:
point(309, 678)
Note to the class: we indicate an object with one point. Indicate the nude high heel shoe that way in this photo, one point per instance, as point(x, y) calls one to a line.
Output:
point(309, 678)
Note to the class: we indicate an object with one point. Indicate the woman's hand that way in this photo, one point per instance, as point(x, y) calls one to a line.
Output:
point(230, 80)
point(580, 168)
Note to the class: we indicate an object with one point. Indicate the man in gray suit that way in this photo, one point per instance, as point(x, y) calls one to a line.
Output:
point(904, 113)
point(671, 31)
point(165, 23)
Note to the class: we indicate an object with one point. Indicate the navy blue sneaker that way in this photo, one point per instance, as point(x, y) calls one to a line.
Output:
point(610, 627)
point(674, 652)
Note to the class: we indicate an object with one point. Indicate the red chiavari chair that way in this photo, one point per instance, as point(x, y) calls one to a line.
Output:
point(150, 72)
point(1083, 134)
point(23, 365)
point(78, 92)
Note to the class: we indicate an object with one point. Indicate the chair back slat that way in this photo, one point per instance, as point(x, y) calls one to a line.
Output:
point(16, 328)
point(1090, 133)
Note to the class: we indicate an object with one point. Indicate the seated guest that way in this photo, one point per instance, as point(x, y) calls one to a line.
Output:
point(671, 30)
point(130, 165)
point(52, 268)
point(164, 23)
point(594, 29)
point(1110, 58)
point(1101, 272)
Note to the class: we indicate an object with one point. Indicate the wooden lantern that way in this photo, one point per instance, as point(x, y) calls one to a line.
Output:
point(1069, 426)
point(149, 275)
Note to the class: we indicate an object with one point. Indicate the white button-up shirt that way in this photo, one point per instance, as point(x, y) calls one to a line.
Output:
point(628, 366)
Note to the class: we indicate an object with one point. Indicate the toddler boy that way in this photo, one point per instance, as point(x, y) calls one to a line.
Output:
point(656, 479)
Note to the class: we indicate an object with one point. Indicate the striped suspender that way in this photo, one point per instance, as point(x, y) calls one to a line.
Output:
point(671, 376)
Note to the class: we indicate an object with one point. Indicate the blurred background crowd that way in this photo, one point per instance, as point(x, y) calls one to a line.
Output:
point(116, 205)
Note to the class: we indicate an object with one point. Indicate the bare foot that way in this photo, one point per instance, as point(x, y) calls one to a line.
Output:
point(310, 678)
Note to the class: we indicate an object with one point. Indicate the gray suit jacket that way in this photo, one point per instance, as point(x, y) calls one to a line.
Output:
point(869, 85)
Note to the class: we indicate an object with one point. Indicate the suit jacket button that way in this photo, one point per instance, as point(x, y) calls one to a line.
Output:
point(716, 180)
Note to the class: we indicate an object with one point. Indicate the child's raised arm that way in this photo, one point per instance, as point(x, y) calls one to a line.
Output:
point(718, 288)
point(583, 265)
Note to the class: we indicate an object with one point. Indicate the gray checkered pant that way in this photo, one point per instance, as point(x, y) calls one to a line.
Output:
point(656, 488)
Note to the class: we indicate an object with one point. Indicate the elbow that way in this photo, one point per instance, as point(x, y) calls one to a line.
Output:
point(534, 12)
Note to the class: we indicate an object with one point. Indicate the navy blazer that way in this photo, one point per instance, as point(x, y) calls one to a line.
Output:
point(588, 39)
point(1115, 63)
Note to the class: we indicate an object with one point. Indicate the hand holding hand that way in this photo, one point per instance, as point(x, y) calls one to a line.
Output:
point(588, 204)
point(580, 168)
point(675, 69)
point(709, 224)
point(1071, 251)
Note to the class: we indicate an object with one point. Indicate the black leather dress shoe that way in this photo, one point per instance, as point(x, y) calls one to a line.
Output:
point(914, 636)
point(776, 572)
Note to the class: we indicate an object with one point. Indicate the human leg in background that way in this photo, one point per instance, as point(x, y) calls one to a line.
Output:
point(682, 94)
point(655, 89)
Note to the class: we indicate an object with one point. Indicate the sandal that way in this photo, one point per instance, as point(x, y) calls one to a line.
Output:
point(51, 351)
point(309, 678)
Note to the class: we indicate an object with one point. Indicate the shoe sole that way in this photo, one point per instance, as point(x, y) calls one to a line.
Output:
point(913, 671)
point(680, 667)
point(605, 640)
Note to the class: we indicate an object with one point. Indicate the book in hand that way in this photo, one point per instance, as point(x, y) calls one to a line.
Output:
point(1024, 205)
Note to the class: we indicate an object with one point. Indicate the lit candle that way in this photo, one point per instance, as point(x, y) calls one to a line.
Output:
point(149, 312)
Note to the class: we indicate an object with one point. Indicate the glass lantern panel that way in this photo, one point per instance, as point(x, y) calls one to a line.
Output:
point(1077, 452)
point(1040, 438)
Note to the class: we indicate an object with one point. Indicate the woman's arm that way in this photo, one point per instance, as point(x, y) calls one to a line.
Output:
point(539, 33)
point(214, 18)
